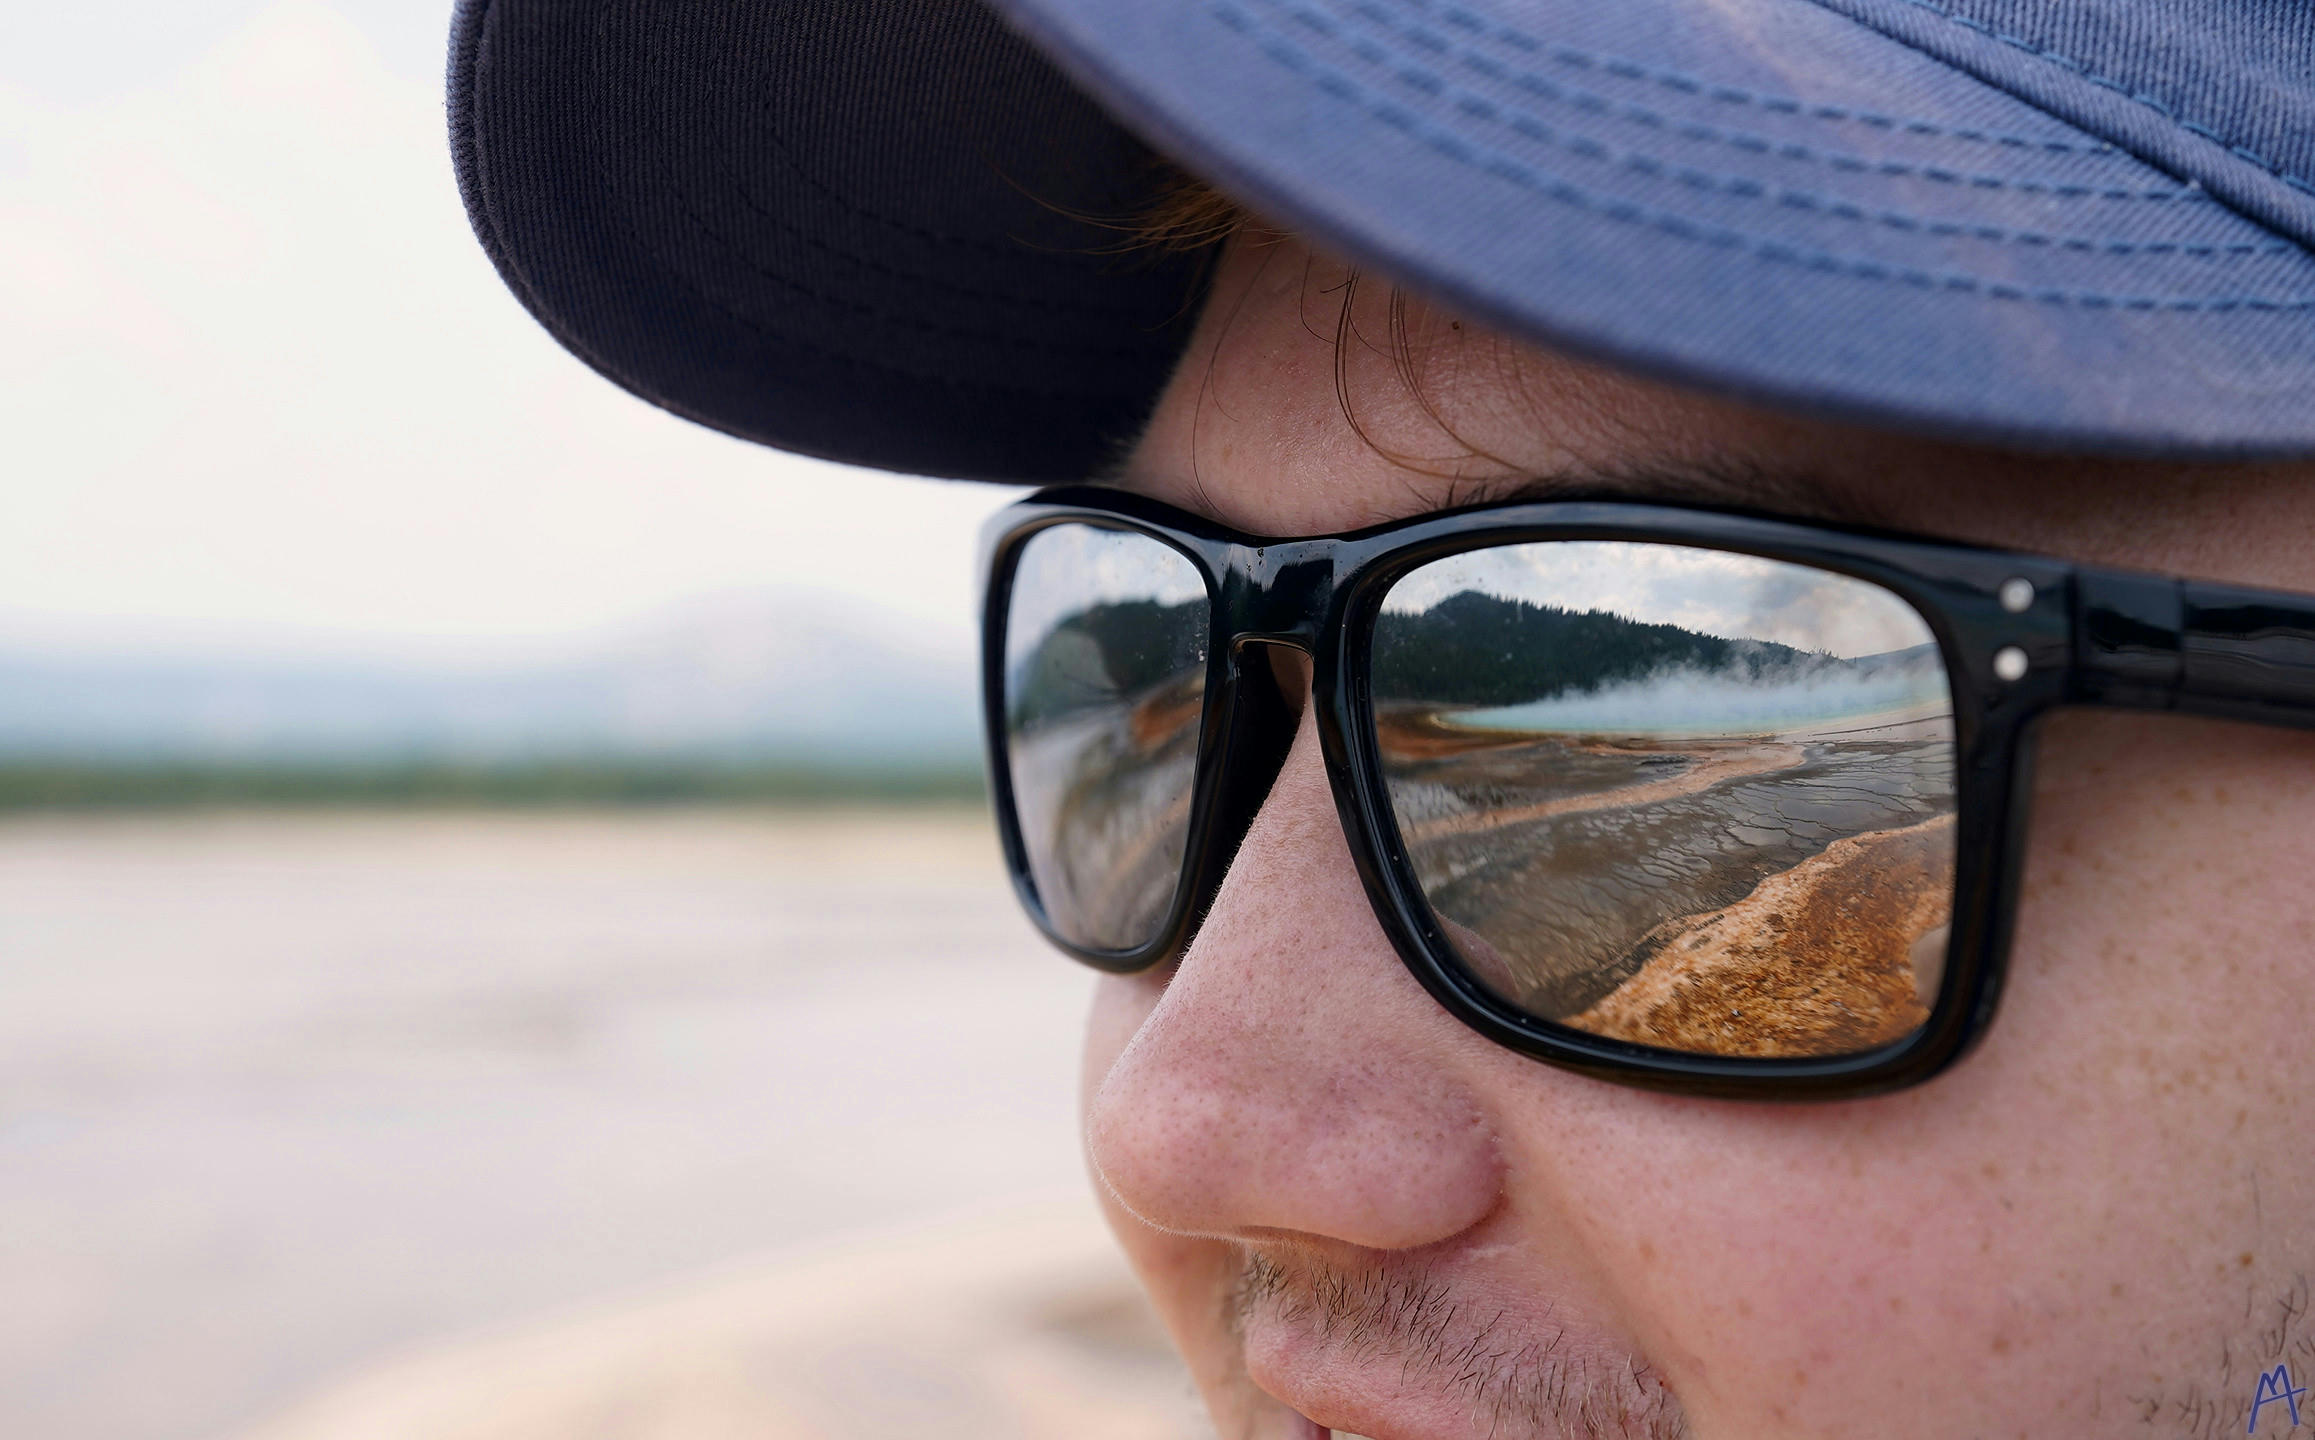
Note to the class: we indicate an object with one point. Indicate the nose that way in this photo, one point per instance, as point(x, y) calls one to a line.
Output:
point(1293, 1077)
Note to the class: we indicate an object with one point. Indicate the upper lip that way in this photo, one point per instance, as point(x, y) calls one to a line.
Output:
point(1400, 1349)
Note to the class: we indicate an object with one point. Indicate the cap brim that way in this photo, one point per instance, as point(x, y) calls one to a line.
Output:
point(883, 233)
point(813, 225)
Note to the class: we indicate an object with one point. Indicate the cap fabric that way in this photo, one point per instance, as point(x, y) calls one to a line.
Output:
point(870, 229)
point(849, 229)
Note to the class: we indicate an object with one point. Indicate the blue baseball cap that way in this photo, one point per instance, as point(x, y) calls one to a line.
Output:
point(884, 231)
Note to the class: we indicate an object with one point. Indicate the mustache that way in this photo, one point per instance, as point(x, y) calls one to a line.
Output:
point(1516, 1381)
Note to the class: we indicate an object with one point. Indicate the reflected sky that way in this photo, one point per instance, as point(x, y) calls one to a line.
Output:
point(1711, 591)
point(1077, 567)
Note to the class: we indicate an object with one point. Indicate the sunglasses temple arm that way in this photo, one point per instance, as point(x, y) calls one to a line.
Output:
point(2142, 642)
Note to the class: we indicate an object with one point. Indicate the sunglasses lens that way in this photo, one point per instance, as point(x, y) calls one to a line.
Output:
point(1679, 797)
point(1105, 684)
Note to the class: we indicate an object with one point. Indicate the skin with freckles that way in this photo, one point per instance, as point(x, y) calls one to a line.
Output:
point(1355, 1213)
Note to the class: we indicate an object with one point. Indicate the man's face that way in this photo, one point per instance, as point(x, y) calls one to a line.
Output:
point(1355, 1213)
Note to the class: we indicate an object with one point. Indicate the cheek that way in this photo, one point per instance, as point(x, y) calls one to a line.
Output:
point(1806, 1273)
point(2089, 1206)
point(2163, 953)
point(1801, 1271)
point(2170, 887)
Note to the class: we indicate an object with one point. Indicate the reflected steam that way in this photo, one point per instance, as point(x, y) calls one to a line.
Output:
point(1656, 825)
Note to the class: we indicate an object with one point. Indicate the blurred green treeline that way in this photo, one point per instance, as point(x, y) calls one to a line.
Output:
point(49, 785)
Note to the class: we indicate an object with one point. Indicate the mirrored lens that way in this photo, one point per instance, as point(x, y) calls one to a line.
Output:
point(1674, 796)
point(1105, 685)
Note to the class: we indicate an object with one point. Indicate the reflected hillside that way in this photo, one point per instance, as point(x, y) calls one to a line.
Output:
point(1475, 651)
point(1119, 648)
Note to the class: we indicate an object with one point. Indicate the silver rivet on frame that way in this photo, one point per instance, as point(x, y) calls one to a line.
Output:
point(2017, 596)
point(2009, 663)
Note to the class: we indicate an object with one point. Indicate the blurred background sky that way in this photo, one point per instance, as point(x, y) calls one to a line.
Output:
point(267, 406)
point(463, 1116)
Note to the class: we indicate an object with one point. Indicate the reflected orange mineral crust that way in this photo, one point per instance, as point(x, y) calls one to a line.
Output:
point(1816, 961)
point(1168, 714)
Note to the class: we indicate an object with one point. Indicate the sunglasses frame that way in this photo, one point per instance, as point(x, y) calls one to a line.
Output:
point(2087, 636)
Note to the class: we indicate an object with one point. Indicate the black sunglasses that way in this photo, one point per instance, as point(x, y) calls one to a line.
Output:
point(1699, 801)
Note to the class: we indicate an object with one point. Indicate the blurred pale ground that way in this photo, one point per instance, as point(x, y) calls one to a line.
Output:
point(648, 1126)
point(595, 1127)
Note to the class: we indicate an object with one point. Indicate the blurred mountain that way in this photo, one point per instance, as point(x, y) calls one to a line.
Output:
point(772, 675)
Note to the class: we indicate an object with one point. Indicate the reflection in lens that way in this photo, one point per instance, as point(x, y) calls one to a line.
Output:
point(1679, 797)
point(1105, 683)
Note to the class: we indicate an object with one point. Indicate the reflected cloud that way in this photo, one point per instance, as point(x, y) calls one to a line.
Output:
point(1714, 592)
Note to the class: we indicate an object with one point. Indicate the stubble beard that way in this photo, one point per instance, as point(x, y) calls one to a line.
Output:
point(1518, 1384)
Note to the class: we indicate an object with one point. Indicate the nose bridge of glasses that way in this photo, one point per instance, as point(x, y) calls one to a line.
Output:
point(1278, 593)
